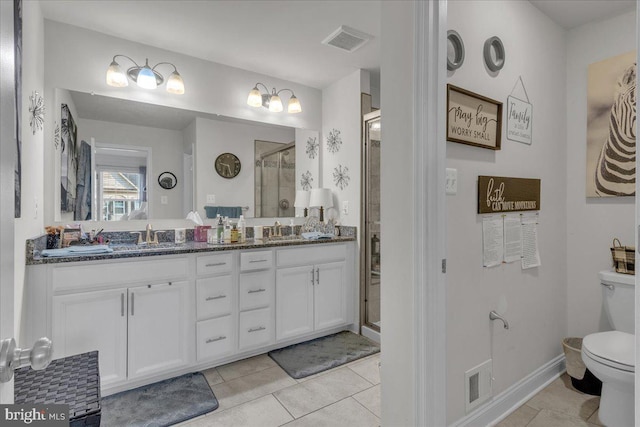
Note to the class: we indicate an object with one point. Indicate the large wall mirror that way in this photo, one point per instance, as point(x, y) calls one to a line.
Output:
point(132, 143)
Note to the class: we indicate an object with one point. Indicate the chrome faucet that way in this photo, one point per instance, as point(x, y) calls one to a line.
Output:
point(148, 239)
point(495, 316)
point(277, 229)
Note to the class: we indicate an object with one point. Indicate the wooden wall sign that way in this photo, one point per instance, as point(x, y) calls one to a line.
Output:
point(473, 119)
point(502, 194)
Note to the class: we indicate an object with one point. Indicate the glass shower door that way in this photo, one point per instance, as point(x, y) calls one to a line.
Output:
point(371, 236)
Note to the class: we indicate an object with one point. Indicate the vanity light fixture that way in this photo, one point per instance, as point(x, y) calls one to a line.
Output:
point(272, 100)
point(145, 76)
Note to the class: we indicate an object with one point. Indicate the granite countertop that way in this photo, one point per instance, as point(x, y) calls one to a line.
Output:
point(131, 250)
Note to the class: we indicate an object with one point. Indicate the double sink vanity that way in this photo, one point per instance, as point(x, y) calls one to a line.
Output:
point(159, 311)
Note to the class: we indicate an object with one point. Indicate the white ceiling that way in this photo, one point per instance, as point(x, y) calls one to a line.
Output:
point(277, 38)
point(572, 13)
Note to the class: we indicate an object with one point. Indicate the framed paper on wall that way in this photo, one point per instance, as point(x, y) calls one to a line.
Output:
point(473, 119)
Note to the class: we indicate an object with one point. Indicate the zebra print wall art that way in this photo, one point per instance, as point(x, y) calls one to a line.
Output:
point(611, 122)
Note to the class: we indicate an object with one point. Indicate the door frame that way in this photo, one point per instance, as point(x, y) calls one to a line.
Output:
point(7, 164)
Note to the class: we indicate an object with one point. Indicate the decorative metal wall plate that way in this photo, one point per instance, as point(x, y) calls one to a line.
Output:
point(455, 50)
point(494, 53)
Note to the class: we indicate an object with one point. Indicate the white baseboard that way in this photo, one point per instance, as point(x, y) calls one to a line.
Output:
point(500, 406)
point(371, 334)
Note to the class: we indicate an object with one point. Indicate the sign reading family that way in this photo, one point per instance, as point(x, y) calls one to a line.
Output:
point(473, 119)
point(519, 120)
point(501, 194)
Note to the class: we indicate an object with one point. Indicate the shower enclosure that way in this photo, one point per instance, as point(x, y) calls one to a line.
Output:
point(370, 229)
point(275, 179)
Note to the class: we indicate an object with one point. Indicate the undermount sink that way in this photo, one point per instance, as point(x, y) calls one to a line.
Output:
point(282, 238)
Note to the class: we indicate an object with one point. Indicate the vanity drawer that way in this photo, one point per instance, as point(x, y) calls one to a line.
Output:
point(311, 255)
point(256, 328)
point(214, 338)
point(214, 296)
point(258, 260)
point(214, 264)
point(256, 289)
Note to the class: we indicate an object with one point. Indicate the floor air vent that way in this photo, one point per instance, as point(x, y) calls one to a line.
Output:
point(478, 385)
point(347, 39)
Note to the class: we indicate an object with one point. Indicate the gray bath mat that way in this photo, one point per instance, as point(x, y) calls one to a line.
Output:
point(163, 403)
point(320, 354)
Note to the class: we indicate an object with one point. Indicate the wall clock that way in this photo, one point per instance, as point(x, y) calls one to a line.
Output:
point(227, 165)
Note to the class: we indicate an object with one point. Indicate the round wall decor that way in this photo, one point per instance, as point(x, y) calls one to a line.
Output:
point(494, 53)
point(227, 165)
point(167, 180)
point(455, 50)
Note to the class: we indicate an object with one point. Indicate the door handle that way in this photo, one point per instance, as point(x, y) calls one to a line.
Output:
point(122, 304)
point(257, 260)
point(215, 264)
point(12, 357)
point(220, 338)
point(259, 328)
point(132, 295)
point(216, 297)
point(253, 291)
point(318, 276)
point(608, 286)
point(312, 276)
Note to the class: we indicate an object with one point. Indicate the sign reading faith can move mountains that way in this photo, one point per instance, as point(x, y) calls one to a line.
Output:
point(502, 194)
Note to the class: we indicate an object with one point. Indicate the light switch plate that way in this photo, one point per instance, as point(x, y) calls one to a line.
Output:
point(451, 183)
point(211, 198)
point(345, 207)
point(164, 200)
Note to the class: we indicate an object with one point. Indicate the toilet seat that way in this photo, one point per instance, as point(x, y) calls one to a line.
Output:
point(615, 349)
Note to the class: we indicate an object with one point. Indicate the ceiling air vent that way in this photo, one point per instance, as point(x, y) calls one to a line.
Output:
point(347, 39)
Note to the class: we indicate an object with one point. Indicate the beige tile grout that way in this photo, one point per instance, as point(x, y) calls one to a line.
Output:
point(360, 403)
point(325, 406)
point(284, 406)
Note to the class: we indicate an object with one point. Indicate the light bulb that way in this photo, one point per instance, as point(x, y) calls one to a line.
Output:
point(175, 84)
point(115, 76)
point(275, 104)
point(294, 105)
point(255, 98)
point(146, 78)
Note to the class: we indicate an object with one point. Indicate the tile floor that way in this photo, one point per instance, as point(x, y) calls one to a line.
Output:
point(557, 405)
point(257, 392)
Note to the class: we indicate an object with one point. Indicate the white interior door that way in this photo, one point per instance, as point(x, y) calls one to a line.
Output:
point(7, 156)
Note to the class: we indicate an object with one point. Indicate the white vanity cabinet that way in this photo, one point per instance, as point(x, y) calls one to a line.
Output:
point(216, 289)
point(139, 322)
point(311, 290)
point(256, 322)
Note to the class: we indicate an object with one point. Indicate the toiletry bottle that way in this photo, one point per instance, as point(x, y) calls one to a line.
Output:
point(227, 232)
point(234, 234)
point(242, 230)
point(219, 229)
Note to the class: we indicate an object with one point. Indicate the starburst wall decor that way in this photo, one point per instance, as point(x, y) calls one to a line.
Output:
point(341, 177)
point(36, 112)
point(56, 136)
point(312, 147)
point(306, 180)
point(334, 141)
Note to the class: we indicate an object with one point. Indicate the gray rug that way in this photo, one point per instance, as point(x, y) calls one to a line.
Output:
point(163, 403)
point(320, 354)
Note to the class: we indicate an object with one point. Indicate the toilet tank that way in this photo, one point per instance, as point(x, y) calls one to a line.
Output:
point(618, 298)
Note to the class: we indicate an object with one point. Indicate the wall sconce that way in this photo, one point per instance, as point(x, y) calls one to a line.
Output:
point(302, 200)
point(321, 198)
point(145, 76)
point(272, 100)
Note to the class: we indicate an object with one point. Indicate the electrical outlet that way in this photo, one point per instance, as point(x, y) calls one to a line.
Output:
point(164, 200)
point(345, 207)
point(451, 183)
point(211, 198)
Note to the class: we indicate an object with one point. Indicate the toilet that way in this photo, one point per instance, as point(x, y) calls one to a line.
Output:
point(610, 355)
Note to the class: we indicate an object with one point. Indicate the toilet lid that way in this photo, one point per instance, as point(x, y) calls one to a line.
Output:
point(613, 348)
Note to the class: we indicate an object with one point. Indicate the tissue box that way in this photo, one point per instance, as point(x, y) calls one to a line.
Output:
point(200, 233)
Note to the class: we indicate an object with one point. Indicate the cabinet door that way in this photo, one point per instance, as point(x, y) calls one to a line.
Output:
point(158, 328)
point(329, 295)
point(294, 302)
point(91, 321)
